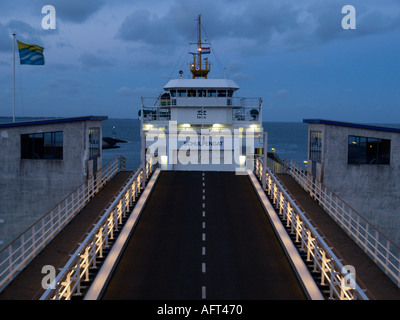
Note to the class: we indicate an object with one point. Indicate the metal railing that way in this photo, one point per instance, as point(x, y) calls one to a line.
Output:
point(243, 109)
point(333, 274)
point(16, 255)
point(68, 282)
point(381, 250)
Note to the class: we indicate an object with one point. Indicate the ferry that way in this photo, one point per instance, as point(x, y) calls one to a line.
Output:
point(200, 123)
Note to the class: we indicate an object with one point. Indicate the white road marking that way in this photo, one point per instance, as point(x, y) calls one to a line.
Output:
point(203, 267)
point(203, 236)
point(203, 292)
point(203, 251)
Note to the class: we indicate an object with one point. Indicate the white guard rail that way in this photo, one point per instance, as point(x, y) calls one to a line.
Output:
point(333, 274)
point(382, 251)
point(68, 281)
point(16, 255)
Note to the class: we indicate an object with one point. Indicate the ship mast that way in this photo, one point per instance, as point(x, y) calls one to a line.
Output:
point(196, 67)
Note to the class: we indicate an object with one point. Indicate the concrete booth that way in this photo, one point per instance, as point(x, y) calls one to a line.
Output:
point(42, 162)
point(361, 164)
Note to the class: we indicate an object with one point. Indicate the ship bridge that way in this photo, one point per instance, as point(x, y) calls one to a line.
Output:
point(195, 235)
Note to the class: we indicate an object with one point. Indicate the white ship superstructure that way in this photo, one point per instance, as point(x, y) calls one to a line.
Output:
point(201, 123)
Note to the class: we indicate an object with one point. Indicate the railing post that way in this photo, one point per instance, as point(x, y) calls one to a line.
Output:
point(264, 165)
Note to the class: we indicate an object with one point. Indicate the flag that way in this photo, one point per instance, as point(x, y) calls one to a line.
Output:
point(30, 54)
point(205, 50)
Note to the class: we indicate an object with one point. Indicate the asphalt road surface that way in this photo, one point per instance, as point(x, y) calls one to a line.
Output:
point(203, 235)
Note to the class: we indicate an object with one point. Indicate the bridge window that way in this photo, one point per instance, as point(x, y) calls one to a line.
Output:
point(221, 93)
point(315, 146)
point(365, 150)
point(212, 93)
point(46, 145)
point(181, 93)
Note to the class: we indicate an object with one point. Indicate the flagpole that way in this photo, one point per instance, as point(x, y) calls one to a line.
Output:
point(13, 77)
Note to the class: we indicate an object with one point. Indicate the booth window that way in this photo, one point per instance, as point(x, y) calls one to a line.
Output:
point(315, 146)
point(94, 143)
point(365, 150)
point(44, 145)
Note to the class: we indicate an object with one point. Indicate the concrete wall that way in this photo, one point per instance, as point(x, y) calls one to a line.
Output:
point(30, 188)
point(372, 190)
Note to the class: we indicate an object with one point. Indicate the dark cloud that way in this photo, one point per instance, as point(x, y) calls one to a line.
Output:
point(370, 20)
point(257, 22)
point(5, 40)
point(25, 32)
point(90, 60)
point(77, 11)
point(67, 85)
point(149, 28)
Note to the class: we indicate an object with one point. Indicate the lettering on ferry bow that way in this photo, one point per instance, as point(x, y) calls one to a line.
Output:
point(203, 143)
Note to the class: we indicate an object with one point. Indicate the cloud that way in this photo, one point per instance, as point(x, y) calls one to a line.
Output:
point(125, 91)
point(370, 20)
point(282, 93)
point(77, 11)
point(149, 28)
point(25, 32)
point(260, 24)
point(67, 85)
point(140, 91)
point(5, 40)
point(90, 60)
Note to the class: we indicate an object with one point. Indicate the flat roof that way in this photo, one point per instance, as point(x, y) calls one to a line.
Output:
point(352, 125)
point(201, 83)
point(50, 121)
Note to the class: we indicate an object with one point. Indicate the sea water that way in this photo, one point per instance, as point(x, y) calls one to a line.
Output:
point(288, 139)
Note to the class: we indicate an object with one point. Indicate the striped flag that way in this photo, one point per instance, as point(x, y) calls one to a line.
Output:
point(30, 54)
point(205, 50)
